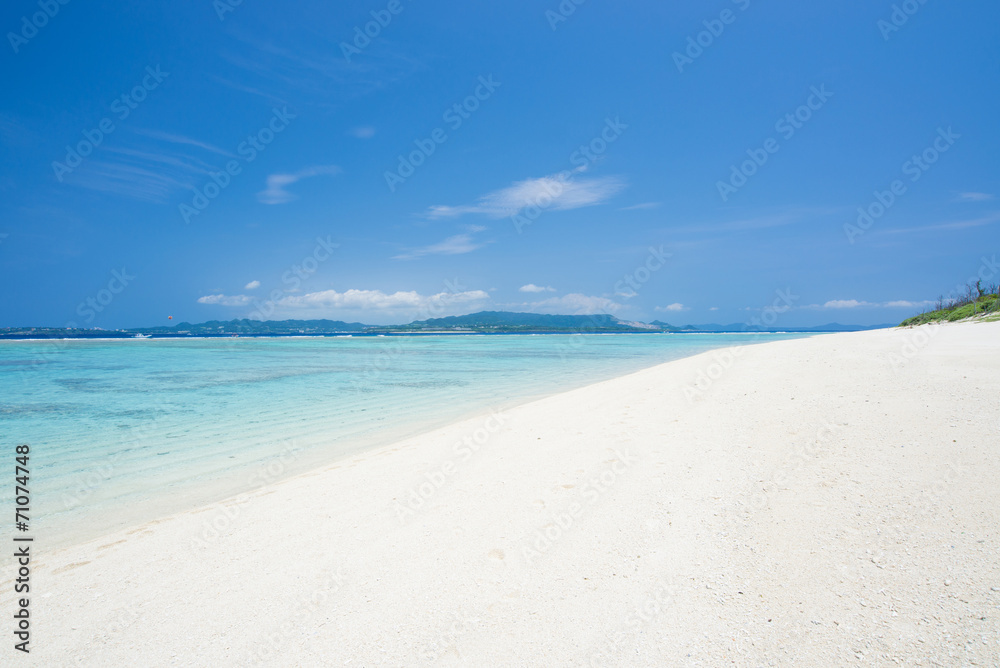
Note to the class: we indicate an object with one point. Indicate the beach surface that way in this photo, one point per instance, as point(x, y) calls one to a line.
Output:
point(819, 502)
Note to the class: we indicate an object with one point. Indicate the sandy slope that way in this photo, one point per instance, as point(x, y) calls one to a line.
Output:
point(826, 501)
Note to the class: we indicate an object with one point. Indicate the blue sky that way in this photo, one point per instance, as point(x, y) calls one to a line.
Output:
point(690, 162)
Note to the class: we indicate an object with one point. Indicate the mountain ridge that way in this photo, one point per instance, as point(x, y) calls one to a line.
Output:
point(482, 322)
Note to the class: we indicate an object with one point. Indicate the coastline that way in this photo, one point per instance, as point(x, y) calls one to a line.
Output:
point(819, 499)
point(115, 461)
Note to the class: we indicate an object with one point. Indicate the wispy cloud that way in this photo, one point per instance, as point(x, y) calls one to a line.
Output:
point(313, 65)
point(953, 225)
point(531, 287)
point(641, 207)
point(134, 178)
point(457, 244)
point(276, 191)
point(180, 139)
point(846, 303)
point(974, 197)
point(252, 285)
point(153, 169)
point(558, 192)
point(571, 304)
point(363, 132)
point(902, 303)
point(857, 303)
point(273, 99)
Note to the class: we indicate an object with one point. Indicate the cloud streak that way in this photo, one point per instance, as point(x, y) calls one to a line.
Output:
point(277, 184)
point(857, 303)
point(558, 192)
point(457, 244)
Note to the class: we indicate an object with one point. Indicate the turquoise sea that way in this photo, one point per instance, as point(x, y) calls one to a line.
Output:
point(123, 431)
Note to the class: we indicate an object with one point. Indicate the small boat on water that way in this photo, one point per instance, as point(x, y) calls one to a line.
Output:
point(142, 336)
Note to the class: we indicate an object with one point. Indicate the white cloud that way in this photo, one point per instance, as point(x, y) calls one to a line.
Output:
point(277, 184)
point(225, 300)
point(458, 244)
point(559, 192)
point(846, 303)
point(531, 287)
point(376, 300)
point(363, 132)
point(571, 304)
point(974, 197)
point(672, 307)
point(252, 285)
point(714, 308)
point(641, 207)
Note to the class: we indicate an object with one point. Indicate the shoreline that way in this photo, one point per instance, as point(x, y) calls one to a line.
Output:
point(804, 508)
point(117, 500)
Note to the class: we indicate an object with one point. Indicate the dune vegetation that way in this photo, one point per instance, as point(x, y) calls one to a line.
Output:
point(976, 302)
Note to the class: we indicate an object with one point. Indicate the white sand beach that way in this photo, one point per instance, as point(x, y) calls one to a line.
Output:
point(815, 502)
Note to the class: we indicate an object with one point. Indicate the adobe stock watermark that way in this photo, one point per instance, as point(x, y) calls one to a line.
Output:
point(796, 459)
point(898, 527)
point(612, 649)
point(562, 12)
point(581, 158)
point(628, 287)
point(591, 491)
point(448, 638)
point(88, 308)
point(696, 44)
point(394, 346)
point(454, 116)
point(294, 276)
point(248, 150)
point(92, 479)
point(920, 336)
point(915, 341)
point(291, 625)
point(436, 479)
point(381, 18)
point(225, 518)
point(91, 306)
point(914, 168)
point(634, 280)
point(725, 359)
point(786, 126)
point(89, 481)
point(122, 107)
point(900, 15)
point(31, 25)
point(223, 7)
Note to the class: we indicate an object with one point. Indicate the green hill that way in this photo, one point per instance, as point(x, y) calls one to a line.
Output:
point(976, 302)
point(502, 321)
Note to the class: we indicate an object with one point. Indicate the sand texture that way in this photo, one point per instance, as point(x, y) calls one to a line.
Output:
point(817, 502)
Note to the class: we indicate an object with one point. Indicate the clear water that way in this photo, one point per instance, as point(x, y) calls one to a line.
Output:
point(123, 431)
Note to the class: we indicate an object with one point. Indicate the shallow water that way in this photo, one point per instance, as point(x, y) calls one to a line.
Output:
point(123, 431)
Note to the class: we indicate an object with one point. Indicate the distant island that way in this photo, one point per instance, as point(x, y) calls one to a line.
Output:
point(484, 322)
